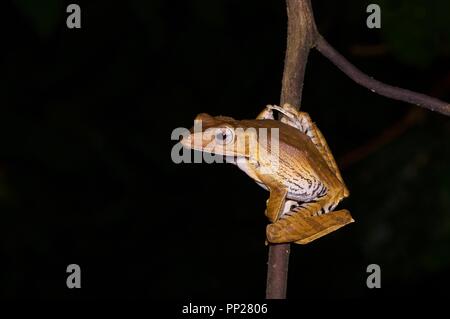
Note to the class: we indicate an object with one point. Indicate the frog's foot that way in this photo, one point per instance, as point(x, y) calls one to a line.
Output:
point(266, 114)
point(287, 110)
point(304, 229)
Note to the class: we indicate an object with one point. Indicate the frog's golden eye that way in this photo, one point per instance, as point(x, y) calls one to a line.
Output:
point(224, 136)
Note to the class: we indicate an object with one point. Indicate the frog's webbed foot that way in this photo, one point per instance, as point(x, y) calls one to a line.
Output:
point(306, 222)
point(307, 228)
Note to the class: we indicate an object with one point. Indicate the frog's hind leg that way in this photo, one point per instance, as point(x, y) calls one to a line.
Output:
point(319, 141)
point(303, 122)
point(309, 221)
point(308, 228)
point(324, 224)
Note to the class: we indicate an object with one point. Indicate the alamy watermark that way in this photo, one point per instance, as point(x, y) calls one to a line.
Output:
point(74, 279)
point(374, 279)
point(73, 21)
point(374, 19)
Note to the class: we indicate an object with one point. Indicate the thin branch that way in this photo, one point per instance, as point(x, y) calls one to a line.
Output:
point(414, 115)
point(277, 271)
point(300, 39)
point(376, 86)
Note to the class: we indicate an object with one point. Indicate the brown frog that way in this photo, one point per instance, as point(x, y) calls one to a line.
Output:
point(291, 160)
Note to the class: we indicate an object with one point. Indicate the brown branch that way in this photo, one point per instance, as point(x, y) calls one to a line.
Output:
point(300, 39)
point(396, 130)
point(302, 36)
point(376, 86)
point(277, 271)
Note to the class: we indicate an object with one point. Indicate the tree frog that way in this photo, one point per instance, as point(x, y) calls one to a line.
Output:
point(293, 162)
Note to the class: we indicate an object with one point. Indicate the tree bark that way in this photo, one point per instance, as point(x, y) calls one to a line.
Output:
point(301, 35)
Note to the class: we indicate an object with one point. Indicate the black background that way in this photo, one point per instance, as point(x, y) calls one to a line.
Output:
point(86, 175)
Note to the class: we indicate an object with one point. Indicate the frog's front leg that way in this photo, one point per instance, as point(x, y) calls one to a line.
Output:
point(275, 203)
point(305, 224)
point(266, 114)
point(277, 197)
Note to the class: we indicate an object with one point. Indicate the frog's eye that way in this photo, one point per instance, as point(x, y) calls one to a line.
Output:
point(224, 135)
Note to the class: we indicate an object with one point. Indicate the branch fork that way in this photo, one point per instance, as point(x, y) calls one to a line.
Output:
point(302, 36)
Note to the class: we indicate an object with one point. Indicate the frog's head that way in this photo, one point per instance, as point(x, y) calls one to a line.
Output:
point(221, 135)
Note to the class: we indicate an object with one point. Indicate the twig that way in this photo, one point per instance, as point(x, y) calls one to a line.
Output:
point(376, 86)
point(301, 34)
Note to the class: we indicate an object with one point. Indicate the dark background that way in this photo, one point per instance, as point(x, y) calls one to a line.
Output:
point(86, 174)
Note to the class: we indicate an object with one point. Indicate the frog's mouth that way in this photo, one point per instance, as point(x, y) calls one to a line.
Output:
point(197, 143)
